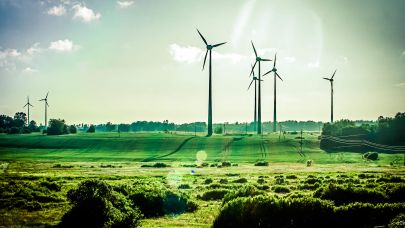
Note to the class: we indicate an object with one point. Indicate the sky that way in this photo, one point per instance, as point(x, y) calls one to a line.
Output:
point(123, 61)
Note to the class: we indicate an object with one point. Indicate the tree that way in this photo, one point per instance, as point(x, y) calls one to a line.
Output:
point(110, 127)
point(6, 122)
point(72, 129)
point(218, 130)
point(91, 129)
point(19, 119)
point(57, 127)
point(124, 127)
point(33, 126)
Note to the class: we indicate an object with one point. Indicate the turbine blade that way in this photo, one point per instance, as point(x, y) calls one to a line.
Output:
point(267, 72)
point(202, 37)
point(254, 49)
point(279, 77)
point(216, 45)
point(333, 74)
point(25, 105)
point(253, 68)
point(327, 79)
point(275, 60)
point(250, 84)
point(46, 95)
point(266, 60)
point(41, 100)
point(31, 105)
point(253, 72)
point(205, 58)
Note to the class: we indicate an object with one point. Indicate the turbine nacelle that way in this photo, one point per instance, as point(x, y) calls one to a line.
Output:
point(209, 46)
point(258, 58)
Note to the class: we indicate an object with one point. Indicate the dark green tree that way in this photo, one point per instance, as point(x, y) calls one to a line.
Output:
point(91, 129)
point(57, 127)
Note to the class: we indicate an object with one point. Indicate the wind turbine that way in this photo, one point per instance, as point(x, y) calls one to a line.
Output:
point(331, 95)
point(259, 109)
point(28, 104)
point(255, 79)
point(46, 106)
point(209, 49)
point(275, 87)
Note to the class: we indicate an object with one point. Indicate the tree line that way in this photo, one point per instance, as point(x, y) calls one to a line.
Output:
point(386, 131)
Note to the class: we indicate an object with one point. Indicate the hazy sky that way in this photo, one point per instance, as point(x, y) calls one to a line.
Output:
point(123, 61)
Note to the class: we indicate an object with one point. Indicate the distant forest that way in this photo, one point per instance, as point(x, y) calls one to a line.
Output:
point(387, 134)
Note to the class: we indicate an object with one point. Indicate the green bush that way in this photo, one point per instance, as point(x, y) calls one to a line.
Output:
point(95, 204)
point(72, 129)
point(156, 200)
point(215, 194)
point(241, 180)
point(370, 156)
point(51, 186)
point(247, 190)
point(184, 186)
point(208, 181)
point(57, 127)
point(269, 211)
point(292, 176)
point(156, 165)
point(348, 194)
point(91, 129)
point(262, 163)
point(398, 221)
point(281, 189)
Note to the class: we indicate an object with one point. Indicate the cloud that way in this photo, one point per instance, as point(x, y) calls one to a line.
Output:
point(185, 54)
point(29, 70)
point(34, 49)
point(400, 85)
point(57, 10)
point(313, 64)
point(232, 57)
point(403, 54)
point(63, 46)
point(85, 14)
point(289, 59)
point(124, 4)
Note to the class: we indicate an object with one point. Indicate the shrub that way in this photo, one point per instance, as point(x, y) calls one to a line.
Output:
point(156, 165)
point(225, 164)
point(57, 127)
point(370, 156)
point(240, 180)
point(281, 189)
point(184, 186)
point(156, 200)
point(347, 194)
point(91, 129)
point(208, 181)
point(72, 129)
point(215, 194)
point(14, 130)
point(95, 204)
point(218, 130)
point(223, 181)
point(398, 221)
point(396, 193)
point(247, 190)
point(262, 163)
point(269, 211)
point(51, 186)
point(292, 176)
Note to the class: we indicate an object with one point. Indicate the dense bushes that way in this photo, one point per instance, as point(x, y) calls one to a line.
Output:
point(57, 127)
point(156, 200)
point(347, 194)
point(262, 163)
point(370, 156)
point(214, 194)
point(248, 190)
point(268, 211)
point(95, 204)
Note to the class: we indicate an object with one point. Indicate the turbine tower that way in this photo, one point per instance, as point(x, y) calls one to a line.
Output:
point(275, 89)
point(259, 101)
point(331, 95)
point(209, 49)
point(255, 79)
point(28, 104)
point(46, 106)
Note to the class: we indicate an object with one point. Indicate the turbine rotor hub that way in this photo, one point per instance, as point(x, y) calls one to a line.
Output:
point(258, 58)
point(274, 69)
point(209, 46)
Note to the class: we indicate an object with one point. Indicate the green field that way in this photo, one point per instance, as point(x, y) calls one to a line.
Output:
point(147, 147)
point(34, 159)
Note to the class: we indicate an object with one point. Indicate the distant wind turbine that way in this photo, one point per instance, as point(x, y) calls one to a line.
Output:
point(331, 95)
point(28, 104)
point(46, 106)
point(275, 89)
point(209, 49)
point(259, 109)
point(255, 79)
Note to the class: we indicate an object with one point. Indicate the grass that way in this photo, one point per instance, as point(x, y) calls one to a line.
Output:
point(153, 147)
point(57, 164)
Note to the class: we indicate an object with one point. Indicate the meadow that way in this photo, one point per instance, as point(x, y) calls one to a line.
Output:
point(38, 171)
